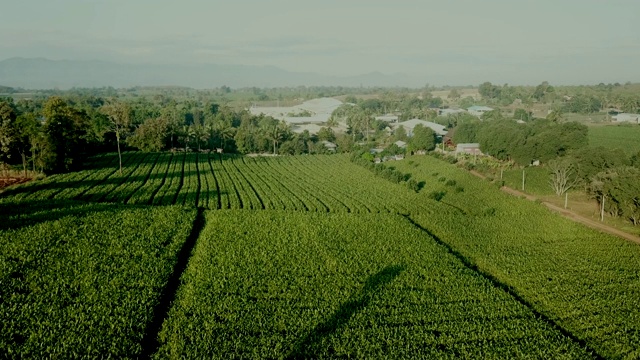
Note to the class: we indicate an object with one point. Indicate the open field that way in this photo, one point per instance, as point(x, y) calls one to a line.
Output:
point(625, 137)
point(444, 94)
point(296, 285)
point(583, 280)
point(82, 280)
point(304, 256)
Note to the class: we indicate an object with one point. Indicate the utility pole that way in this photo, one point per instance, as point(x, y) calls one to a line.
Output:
point(566, 199)
point(522, 179)
point(602, 210)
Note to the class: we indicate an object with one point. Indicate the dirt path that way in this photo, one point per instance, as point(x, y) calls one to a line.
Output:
point(569, 214)
point(575, 217)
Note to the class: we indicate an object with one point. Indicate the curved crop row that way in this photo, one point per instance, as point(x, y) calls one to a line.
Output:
point(155, 180)
point(167, 193)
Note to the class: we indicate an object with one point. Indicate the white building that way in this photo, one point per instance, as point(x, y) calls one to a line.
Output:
point(320, 110)
point(409, 125)
point(479, 110)
point(626, 117)
point(401, 144)
point(387, 118)
point(447, 112)
point(329, 145)
point(469, 148)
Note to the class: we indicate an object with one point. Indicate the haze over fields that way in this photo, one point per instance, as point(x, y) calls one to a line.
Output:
point(286, 42)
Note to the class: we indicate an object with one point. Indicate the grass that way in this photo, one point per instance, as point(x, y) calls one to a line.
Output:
point(625, 137)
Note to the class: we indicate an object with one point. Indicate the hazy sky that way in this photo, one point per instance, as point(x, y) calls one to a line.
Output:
point(447, 42)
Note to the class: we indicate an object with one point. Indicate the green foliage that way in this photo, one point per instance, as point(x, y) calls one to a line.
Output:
point(326, 134)
point(620, 186)
point(313, 285)
point(621, 137)
point(437, 195)
point(537, 140)
point(529, 248)
point(66, 131)
point(583, 104)
point(489, 91)
point(82, 280)
point(592, 160)
point(466, 133)
point(298, 183)
point(400, 134)
point(424, 138)
point(7, 128)
point(151, 135)
point(522, 114)
point(541, 90)
point(536, 179)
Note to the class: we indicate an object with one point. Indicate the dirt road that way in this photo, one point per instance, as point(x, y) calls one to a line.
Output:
point(569, 214)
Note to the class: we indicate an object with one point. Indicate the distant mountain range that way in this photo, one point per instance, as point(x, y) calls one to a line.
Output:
point(40, 73)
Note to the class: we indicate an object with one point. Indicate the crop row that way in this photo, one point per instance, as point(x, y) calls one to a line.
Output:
point(83, 280)
point(273, 284)
point(585, 281)
point(301, 183)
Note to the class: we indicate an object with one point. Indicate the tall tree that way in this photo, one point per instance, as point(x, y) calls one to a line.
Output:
point(119, 115)
point(562, 175)
point(26, 133)
point(7, 128)
point(150, 135)
point(65, 129)
point(423, 138)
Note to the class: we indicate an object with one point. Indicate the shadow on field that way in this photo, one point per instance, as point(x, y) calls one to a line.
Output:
point(15, 215)
point(307, 347)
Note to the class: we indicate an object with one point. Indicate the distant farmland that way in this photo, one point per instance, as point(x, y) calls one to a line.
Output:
point(625, 137)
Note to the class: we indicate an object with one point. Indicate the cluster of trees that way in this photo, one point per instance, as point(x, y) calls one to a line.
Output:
point(54, 139)
point(577, 99)
point(420, 105)
point(55, 134)
point(607, 174)
point(523, 143)
point(618, 191)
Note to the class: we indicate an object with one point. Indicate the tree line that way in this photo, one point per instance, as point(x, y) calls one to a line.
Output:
point(609, 175)
point(56, 134)
point(565, 99)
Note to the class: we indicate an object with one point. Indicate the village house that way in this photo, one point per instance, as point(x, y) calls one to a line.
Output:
point(468, 148)
point(626, 117)
point(409, 125)
point(478, 110)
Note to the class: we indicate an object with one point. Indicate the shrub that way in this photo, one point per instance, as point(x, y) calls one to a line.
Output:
point(437, 195)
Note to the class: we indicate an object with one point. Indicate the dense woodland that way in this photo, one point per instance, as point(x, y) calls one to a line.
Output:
point(53, 131)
